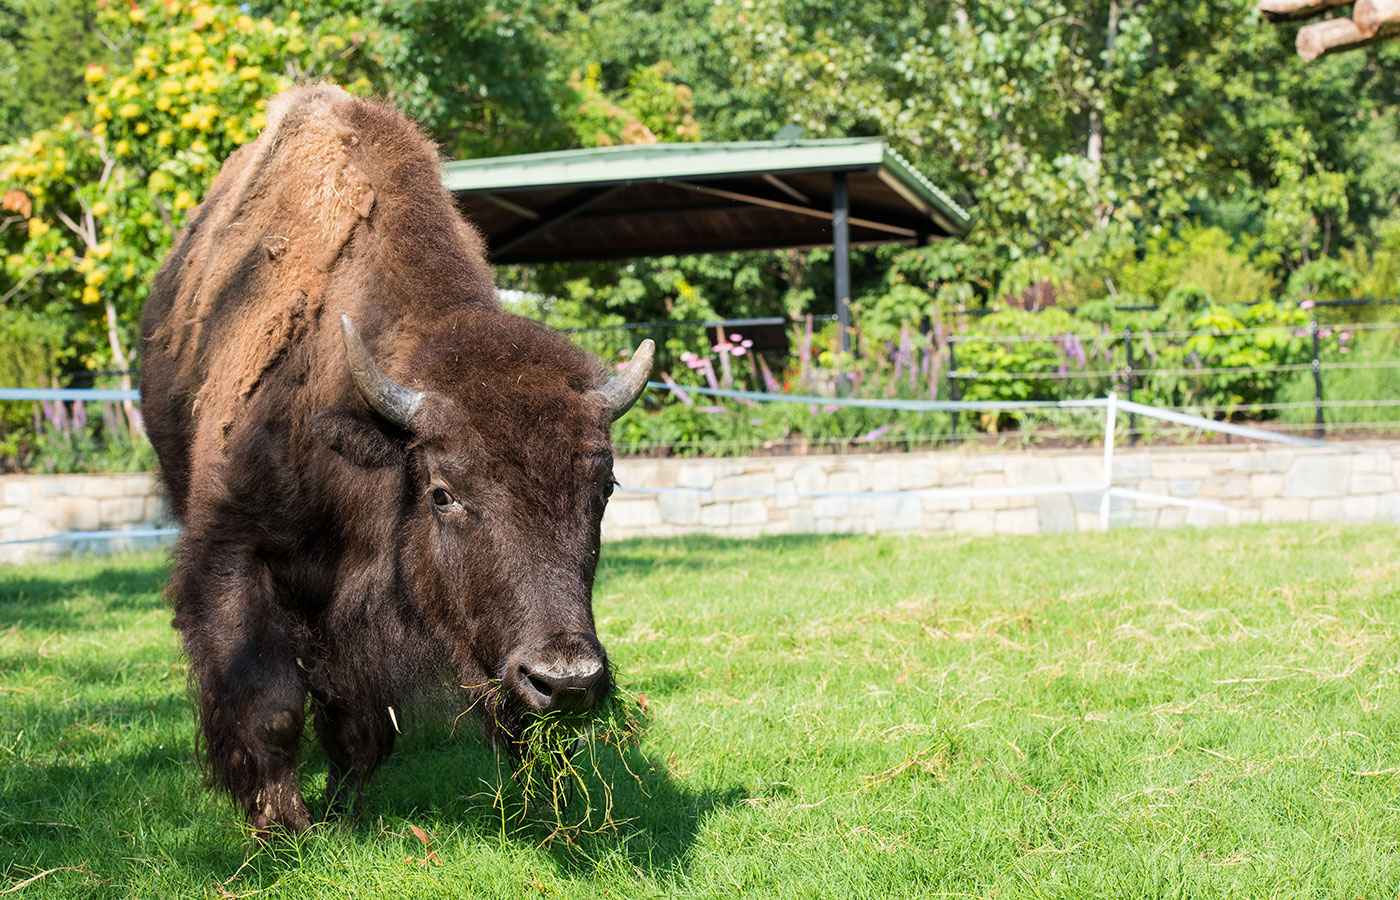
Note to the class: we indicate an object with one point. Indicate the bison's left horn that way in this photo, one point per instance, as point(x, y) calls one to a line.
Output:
point(390, 399)
point(623, 389)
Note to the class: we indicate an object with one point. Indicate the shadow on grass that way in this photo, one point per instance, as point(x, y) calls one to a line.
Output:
point(77, 603)
point(649, 816)
point(129, 814)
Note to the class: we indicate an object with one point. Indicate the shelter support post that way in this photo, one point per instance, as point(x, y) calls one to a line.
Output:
point(841, 255)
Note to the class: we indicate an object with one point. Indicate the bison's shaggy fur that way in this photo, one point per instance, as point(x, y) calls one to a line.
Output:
point(318, 559)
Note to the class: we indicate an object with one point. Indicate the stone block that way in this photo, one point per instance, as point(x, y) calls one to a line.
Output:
point(898, 514)
point(695, 475)
point(1388, 507)
point(119, 511)
point(1206, 518)
point(15, 493)
point(884, 475)
point(1371, 484)
point(715, 515)
point(917, 473)
point(103, 486)
point(1279, 509)
point(1183, 487)
point(801, 521)
point(844, 482)
point(1264, 486)
point(1317, 476)
point(809, 479)
point(974, 521)
point(1056, 513)
point(831, 507)
point(945, 503)
point(1079, 469)
point(10, 515)
point(759, 482)
point(1018, 521)
point(749, 512)
point(679, 509)
point(1131, 467)
point(78, 514)
point(630, 513)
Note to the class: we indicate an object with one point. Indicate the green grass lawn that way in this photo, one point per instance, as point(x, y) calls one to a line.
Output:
point(1134, 714)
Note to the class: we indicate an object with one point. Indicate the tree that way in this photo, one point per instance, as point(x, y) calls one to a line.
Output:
point(96, 199)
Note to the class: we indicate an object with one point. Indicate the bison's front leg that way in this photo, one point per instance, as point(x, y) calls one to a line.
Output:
point(357, 733)
point(252, 699)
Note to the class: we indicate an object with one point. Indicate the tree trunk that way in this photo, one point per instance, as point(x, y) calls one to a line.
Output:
point(1094, 151)
point(133, 415)
point(1371, 16)
point(1282, 10)
point(1334, 36)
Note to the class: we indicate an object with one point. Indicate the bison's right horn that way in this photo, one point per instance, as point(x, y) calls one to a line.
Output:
point(390, 399)
point(623, 389)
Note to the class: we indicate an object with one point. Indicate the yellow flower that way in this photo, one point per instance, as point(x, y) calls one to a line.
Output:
point(137, 15)
point(183, 200)
point(94, 73)
point(129, 270)
point(171, 86)
point(103, 111)
point(128, 110)
point(37, 228)
point(90, 295)
point(165, 138)
point(102, 250)
point(257, 121)
point(142, 128)
point(86, 264)
point(161, 182)
point(162, 103)
point(100, 208)
point(99, 129)
point(122, 147)
point(248, 73)
point(96, 277)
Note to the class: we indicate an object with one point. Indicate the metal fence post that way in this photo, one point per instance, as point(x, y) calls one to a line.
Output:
point(954, 388)
point(1110, 420)
point(1319, 428)
point(1128, 372)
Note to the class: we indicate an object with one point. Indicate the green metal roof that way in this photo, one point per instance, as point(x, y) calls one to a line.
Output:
point(667, 162)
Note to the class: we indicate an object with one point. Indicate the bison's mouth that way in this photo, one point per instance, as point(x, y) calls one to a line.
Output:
point(513, 723)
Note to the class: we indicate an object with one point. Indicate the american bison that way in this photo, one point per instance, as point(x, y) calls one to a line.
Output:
point(383, 476)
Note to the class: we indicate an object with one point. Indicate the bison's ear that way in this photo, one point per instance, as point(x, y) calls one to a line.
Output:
point(356, 438)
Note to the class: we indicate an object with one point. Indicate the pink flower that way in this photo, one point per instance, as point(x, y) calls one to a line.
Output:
point(1307, 304)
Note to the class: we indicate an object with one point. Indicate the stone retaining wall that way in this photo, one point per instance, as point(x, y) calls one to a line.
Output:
point(34, 506)
point(1261, 483)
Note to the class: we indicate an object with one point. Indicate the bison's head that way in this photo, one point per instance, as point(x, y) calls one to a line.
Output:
point(506, 466)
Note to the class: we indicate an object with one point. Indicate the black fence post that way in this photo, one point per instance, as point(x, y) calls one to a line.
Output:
point(1128, 373)
point(1320, 427)
point(954, 388)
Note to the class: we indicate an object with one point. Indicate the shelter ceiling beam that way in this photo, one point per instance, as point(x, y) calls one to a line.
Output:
point(560, 212)
point(510, 206)
point(746, 194)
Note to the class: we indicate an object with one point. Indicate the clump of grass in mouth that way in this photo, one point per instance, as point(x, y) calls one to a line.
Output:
point(558, 758)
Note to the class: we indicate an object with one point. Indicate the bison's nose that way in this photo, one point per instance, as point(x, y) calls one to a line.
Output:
point(571, 686)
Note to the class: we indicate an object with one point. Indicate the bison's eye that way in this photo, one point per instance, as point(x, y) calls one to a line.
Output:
point(609, 485)
point(443, 498)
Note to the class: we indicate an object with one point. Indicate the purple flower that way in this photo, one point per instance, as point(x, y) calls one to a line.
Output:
point(1307, 304)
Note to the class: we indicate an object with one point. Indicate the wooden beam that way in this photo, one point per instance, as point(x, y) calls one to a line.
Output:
point(1334, 36)
point(1371, 16)
point(560, 212)
point(1283, 10)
